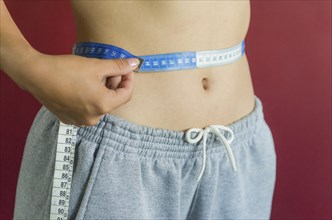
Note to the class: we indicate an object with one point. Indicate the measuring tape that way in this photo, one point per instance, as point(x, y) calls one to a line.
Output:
point(65, 151)
point(63, 172)
point(163, 62)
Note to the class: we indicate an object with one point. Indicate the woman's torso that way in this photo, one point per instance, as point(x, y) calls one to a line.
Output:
point(175, 100)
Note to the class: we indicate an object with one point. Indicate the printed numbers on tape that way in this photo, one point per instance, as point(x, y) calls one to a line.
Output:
point(63, 171)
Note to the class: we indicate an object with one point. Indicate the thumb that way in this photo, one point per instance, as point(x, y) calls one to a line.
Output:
point(118, 67)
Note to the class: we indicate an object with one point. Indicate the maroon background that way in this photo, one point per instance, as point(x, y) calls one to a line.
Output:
point(289, 52)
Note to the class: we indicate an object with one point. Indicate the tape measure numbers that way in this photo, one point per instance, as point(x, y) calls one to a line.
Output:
point(63, 172)
point(163, 62)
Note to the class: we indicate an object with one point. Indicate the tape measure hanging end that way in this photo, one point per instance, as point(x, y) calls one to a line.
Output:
point(63, 171)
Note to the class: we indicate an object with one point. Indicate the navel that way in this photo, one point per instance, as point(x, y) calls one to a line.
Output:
point(205, 83)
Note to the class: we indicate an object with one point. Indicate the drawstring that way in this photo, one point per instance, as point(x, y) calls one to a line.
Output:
point(204, 133)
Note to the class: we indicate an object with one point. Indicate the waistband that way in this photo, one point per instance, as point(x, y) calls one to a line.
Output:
point(163, 62)
point(129, 137)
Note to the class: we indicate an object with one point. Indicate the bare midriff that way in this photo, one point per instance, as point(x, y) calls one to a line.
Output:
point(176, 100)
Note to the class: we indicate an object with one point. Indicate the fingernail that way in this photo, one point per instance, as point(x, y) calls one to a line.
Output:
point(133, 62)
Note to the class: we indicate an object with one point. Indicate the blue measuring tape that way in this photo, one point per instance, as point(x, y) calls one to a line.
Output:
point(163, 62)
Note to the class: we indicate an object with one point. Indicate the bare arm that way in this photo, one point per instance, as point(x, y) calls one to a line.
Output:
point(15, 49)
point(77, 90)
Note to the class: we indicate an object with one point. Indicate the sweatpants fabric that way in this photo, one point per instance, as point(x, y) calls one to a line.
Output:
point(123, 170)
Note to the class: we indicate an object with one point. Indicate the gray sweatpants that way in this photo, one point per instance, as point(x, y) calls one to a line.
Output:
point(123, 170)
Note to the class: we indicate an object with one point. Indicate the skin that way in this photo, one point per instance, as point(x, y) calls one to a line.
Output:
point(176, 100)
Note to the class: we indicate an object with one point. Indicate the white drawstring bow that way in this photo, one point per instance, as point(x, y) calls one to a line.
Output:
point(203, 132)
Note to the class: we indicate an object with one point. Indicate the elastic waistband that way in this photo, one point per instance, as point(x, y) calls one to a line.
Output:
point(163, 62)
point(126, 136)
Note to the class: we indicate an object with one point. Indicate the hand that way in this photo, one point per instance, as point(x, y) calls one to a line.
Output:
point(80, 90)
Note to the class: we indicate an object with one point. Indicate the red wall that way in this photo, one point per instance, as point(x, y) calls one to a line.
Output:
point(289, 52)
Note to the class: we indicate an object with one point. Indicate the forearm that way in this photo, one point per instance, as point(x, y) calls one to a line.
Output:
point(16, 54)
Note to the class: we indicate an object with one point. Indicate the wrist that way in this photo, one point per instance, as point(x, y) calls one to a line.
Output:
point(33, 67)
point(20, 64)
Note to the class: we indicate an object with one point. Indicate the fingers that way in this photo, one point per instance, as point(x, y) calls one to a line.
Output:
point(122, 94)
point(118, 66)
point(113, 82)
point(116, 89)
